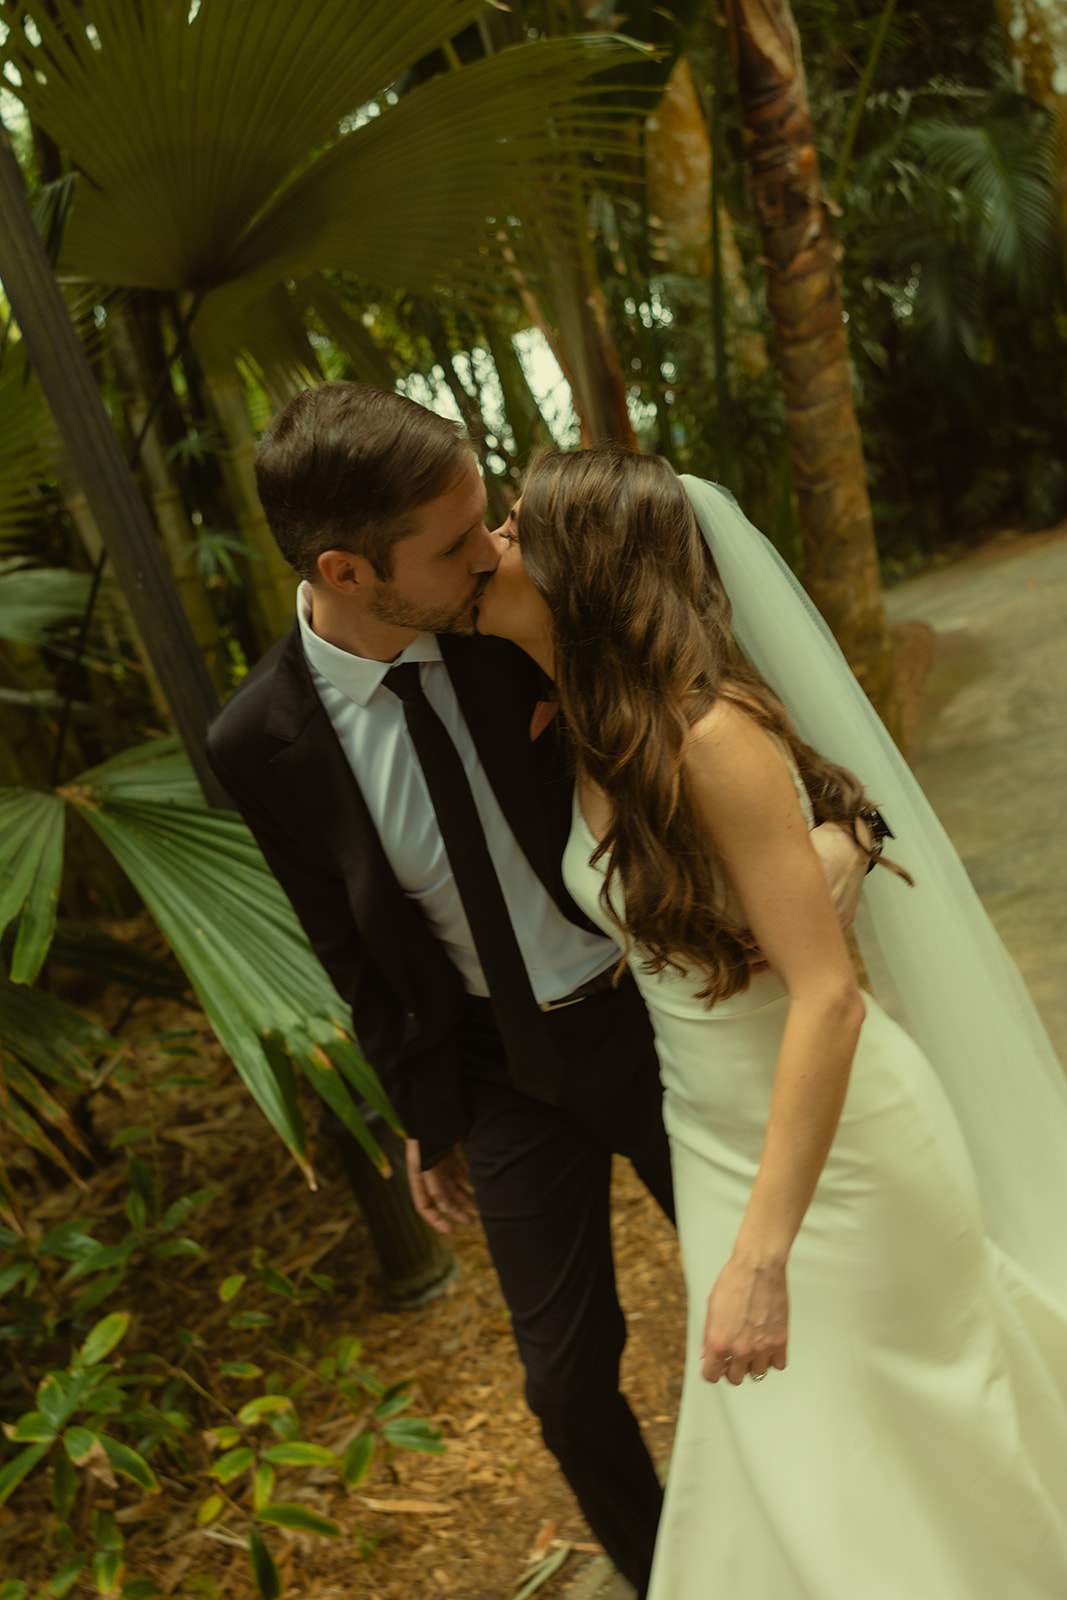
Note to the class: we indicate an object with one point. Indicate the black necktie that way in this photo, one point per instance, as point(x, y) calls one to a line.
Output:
point(536, 1066)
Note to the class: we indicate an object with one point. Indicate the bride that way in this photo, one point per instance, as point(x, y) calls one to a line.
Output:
point(873, 1227)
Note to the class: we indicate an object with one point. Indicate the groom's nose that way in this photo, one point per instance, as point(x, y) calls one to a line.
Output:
point(486, 551)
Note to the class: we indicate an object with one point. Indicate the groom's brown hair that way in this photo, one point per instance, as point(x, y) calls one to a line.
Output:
point(344, 466)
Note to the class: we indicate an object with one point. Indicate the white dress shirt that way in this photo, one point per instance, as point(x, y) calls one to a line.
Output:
point(370, 724)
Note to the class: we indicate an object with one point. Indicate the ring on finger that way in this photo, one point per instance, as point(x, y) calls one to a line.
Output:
point(757, 1377)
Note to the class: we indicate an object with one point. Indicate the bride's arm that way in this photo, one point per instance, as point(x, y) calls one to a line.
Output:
point(747, 799)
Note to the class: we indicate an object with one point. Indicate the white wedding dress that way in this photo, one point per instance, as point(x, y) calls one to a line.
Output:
point(915, 1448)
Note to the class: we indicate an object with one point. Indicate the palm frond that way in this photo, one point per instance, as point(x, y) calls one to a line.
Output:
point(421, 190)
point(369, 364)
point(34, 599)
point(31, 864)
point(23, 461)
point(42, 1037)
point(1007, 167)
point(190, 120)
point(229, 924)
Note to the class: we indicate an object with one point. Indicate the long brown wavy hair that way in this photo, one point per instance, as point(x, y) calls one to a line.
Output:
point(643, 649)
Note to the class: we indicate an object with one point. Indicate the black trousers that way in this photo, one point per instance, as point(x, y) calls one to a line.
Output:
point(541, 1175)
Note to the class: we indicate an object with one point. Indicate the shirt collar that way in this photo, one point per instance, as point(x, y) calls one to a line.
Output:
point(355, 676)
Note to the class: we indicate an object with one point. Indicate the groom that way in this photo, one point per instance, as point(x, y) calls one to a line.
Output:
point(412, 798)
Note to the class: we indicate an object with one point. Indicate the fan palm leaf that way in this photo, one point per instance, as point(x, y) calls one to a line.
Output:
point(201, 875)
point(40, 1037)
point(227, 147)
point(35, 599)
point(22, 456)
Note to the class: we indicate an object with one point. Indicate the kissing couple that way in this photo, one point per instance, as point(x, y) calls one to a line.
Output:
point(572, 812)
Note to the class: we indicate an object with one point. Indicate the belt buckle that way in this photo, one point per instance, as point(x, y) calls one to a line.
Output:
point(557, 1005)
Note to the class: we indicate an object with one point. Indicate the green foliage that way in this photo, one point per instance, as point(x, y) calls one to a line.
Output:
point(34, 599)
point(203, 878)
point(230, 196)
point(115, 1412)
point(23, 460)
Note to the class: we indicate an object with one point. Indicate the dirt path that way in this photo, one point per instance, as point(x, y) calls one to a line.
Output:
point(990, 744)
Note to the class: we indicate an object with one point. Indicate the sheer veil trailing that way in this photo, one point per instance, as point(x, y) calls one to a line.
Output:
point(933, 955)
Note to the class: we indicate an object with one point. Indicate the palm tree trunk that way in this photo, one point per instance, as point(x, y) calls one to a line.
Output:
point(1037, 42)
point(176, 531)
point(804, 297)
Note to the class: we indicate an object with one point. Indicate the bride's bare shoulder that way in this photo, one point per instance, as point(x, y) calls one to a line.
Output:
point(731, 753)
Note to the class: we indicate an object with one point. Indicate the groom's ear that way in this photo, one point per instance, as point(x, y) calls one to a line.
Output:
point(346, 573)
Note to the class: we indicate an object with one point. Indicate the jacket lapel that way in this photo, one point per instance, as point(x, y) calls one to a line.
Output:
point(311, 763)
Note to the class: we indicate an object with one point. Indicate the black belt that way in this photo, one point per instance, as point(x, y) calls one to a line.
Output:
point(603, 980)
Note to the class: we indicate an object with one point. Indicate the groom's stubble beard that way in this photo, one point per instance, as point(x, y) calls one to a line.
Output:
point(394, 608)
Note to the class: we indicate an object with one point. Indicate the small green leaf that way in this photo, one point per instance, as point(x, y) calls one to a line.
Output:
point(63, 1581)
point(299, 1455)
point(105, 1532)
point(107, 1570)
point(98, 1291)
point(232, 1464)
point(263, 1485)
point(349, 1350)
point(412, 1433)
point(178, 1247)
point(136, 1210)
point(64, 1484)
point(240, 1369)
point(209, 1509)
point(261, 1406)
point(277, 1282)
point(12, 1475)
point(32, 1428)
point(283, 1515)
point(229, 1286)
point(14, 1589)
point(145, 1181)
point(267, 1578)
point(327, 1368)
point(368, 1381)
point(322, 1281)
point(227, 1437)
point(53, 1400)
point(392, 1406)
point(12, 1274)
point(78, 1443)
point(104, 1337)
point(130, 1464)
point(357, 1458)
point(129, 1136)
point(251, 1319)
point(140, 1589)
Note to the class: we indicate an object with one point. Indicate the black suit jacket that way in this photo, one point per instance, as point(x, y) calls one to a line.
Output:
point(274, 749)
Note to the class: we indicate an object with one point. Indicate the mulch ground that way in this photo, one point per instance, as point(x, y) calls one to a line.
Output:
point(460, 1526)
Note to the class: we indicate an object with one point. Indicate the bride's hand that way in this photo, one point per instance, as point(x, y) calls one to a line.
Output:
point(747, 1323)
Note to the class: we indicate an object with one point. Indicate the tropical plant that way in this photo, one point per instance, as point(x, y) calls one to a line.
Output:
point(102, 1414)
point(318, 154)
point(201, 875)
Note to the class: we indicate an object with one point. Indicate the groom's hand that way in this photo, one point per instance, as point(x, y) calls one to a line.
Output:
point(844, 866)
point(442, 1192)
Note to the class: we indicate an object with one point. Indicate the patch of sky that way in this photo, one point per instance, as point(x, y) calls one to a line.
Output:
point(360, 117)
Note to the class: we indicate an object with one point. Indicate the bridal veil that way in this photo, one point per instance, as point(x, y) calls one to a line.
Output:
point(932, 953)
